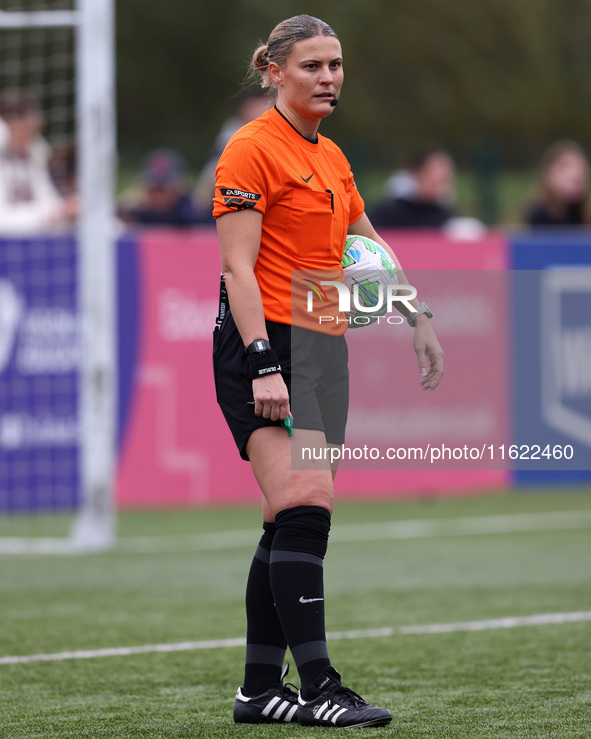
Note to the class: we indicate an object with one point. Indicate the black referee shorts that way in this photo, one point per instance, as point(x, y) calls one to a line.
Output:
point(314, 367)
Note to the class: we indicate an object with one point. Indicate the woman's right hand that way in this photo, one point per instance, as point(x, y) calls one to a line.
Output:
point(271, 399)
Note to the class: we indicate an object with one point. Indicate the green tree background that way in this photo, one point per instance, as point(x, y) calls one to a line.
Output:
point(489, 79)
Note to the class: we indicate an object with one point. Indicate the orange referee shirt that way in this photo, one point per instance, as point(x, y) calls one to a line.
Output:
point(308, 198)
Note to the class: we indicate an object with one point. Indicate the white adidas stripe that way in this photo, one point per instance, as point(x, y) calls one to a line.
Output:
point(270, 705)
point(335, 717)
point(290, 714)
point(320, 712)
point(284, 705)
point(334, 709)
point(326, 712)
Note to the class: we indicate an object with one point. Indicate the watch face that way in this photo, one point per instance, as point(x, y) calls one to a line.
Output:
point(422, 309)
point(258, 346)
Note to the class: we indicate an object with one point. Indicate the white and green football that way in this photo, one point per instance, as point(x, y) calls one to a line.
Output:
point(369, 270)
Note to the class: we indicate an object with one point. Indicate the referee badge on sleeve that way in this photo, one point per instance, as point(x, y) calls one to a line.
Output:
point(239, 199)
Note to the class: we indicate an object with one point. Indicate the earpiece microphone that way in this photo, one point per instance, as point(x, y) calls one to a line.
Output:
point(335, 101)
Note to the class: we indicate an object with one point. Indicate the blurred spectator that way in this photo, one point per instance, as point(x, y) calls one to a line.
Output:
point(251, 104)
point(563, 186)
point(29, 201)
point(419, 196)
point(163, 197)
point(63, 168)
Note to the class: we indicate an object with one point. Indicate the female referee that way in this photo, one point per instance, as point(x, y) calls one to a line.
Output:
point(285, 200)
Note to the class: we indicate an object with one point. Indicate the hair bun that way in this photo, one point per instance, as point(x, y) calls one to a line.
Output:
point(260, 59)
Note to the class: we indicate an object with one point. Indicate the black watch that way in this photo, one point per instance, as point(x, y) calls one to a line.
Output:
point(258, 346)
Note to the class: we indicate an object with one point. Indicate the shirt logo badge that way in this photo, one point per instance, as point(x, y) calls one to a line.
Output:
point(307, 179)
point(239, 199)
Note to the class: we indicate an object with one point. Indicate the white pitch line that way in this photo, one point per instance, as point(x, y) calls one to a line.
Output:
point(511, 622)
point(465, 526)
point(363, 532)
point(341, 533)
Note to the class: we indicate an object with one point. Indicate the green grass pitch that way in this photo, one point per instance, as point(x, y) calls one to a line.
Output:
point(389, 565)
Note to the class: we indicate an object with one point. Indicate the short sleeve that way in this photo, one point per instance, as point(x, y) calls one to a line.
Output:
point(245, 178)
point(357, 206)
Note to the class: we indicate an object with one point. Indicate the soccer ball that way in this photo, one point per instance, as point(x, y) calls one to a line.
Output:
point(369, 270)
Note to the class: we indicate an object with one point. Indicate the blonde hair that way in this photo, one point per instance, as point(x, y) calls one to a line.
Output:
point(280, 43)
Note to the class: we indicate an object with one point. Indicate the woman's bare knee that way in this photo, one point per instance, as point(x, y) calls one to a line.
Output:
point(270, 451)
point(298, 491)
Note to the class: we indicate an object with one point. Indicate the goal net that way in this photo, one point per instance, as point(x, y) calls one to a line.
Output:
point(57, 357)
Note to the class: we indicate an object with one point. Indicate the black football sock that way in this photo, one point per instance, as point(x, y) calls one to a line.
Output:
point(296, 571)
point(265, 642)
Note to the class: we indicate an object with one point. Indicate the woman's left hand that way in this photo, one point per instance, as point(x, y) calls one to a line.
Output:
point(429, 353)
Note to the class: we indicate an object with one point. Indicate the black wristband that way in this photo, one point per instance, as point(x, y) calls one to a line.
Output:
point(263, 363)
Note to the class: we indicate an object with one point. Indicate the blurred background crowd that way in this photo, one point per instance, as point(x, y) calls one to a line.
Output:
point(456, 116)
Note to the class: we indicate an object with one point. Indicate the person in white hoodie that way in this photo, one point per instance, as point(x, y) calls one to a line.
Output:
point(29, 201)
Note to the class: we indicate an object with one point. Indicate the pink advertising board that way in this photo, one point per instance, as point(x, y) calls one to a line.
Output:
point(176, 449)
point(442, 441)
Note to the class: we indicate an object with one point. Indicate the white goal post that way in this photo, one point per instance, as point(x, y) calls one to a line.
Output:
point(93, 24)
